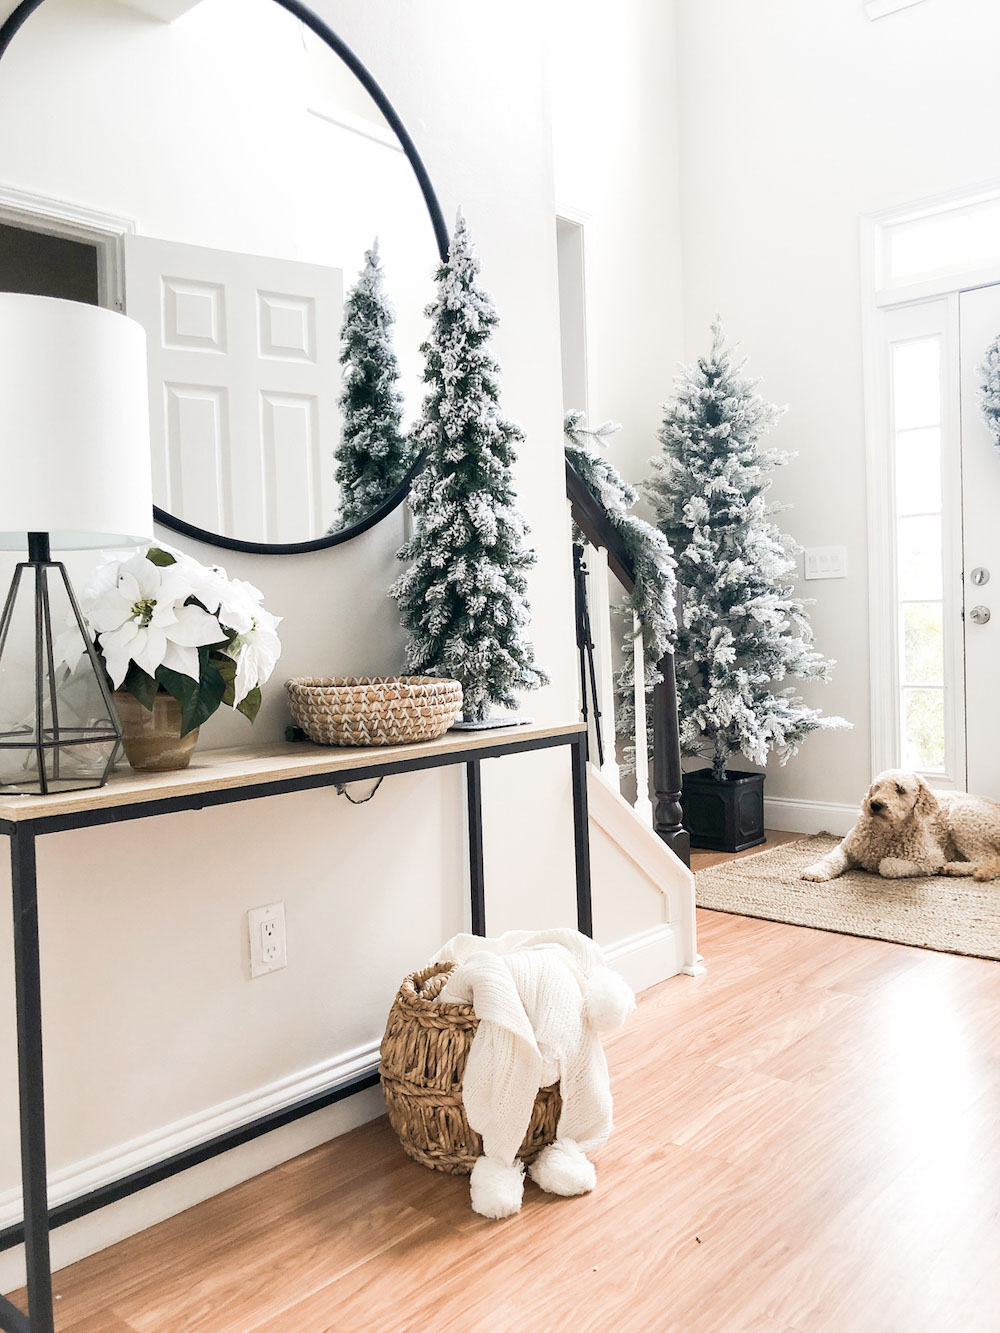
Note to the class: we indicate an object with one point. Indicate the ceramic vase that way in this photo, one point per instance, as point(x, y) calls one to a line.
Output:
point(152, 740)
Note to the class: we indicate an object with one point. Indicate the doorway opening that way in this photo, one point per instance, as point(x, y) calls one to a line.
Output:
point(43, 264)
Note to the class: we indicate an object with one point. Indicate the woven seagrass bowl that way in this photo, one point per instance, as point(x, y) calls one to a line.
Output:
point(424, 1052)
point(373, 710)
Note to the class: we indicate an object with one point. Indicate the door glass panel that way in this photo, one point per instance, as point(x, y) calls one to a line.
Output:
point(918, 471)
point(920, 558)
point(916, 382)
point(923, 729)
point(923, 643)
point(928, 245)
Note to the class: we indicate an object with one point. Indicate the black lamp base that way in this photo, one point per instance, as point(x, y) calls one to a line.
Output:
point(58, 729)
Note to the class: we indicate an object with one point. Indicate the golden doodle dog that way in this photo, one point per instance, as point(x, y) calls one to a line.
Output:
point(906, 829)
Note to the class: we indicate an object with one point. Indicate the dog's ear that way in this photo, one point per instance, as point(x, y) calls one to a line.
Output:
point(926, 802)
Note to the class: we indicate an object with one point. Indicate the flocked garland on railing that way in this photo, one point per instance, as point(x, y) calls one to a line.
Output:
point(653, 598)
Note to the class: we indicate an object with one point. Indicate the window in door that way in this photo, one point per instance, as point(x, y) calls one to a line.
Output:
point(916, 421)
point(916, 552)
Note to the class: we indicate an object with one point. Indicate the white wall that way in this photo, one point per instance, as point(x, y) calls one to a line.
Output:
point(794, 120)
point(150, 1016)
point(615, 157)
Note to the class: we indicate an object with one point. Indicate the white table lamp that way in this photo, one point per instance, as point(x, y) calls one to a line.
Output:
point(74, 449)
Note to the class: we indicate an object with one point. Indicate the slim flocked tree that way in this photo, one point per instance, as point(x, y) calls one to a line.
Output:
point(374, 454)
point(743, 630)
point(463, 595)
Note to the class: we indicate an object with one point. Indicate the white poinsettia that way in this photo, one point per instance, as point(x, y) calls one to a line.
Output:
point(255, 652)
point(160, 610)
point(142, 618)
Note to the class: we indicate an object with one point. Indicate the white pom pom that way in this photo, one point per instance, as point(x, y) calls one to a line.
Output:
point(563, 1168)
point(496, 1188)
point(609, 1000)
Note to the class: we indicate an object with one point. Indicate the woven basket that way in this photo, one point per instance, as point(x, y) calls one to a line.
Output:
point(424, 1050)
point(373, 710)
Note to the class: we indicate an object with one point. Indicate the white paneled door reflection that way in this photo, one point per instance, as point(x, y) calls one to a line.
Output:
point(244, 381)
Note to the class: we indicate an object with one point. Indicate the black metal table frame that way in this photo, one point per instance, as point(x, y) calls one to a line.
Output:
point(38, 1218)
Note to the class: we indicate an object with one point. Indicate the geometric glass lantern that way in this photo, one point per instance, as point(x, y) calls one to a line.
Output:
point(74, 449)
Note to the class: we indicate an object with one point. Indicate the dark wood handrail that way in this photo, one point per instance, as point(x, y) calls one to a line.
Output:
point(595, 525)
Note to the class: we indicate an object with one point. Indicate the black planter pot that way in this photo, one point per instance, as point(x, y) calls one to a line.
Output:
point(724, 816)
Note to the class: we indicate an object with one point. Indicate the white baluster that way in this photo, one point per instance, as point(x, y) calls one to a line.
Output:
point(599, 602)
point(643, 805)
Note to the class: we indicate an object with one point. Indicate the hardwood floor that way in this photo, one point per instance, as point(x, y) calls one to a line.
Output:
point(702, 860)
point(807, 1141)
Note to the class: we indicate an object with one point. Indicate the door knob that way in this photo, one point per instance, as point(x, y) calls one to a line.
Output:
point(980, 575)
point(979, 615)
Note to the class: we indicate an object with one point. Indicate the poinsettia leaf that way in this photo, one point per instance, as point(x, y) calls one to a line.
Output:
point(226, 668)
point(178, 686)
point(162, 558)
point(198, 698)
point(250, 706)
point(141, 686)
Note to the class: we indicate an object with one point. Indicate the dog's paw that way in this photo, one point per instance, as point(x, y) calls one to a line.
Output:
point(985, 873)
point(817, 873)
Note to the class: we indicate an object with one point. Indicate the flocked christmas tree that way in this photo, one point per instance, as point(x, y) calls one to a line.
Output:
point(743, 630)
point(374, 454)
point(463, 596)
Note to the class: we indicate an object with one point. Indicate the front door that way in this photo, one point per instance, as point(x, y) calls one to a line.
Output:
point(979, 325)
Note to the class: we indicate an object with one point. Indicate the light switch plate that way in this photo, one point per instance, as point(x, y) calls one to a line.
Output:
point(826, 562)
point(267, 939)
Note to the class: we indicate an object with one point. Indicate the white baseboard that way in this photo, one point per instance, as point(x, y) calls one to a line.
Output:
point(796, 816)
point(95, 1232)
point(648, 958)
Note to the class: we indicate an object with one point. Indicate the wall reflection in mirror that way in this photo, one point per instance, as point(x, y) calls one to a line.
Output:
point(225, 176)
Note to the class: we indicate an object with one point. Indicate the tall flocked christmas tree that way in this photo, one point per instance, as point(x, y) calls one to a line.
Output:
point(463, 596)
point(374, 454)
point(743, 630)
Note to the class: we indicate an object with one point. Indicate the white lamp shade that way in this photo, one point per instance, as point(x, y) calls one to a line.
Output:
point(74, 425)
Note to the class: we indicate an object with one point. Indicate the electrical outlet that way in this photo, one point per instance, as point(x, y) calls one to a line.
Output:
point(267, 939)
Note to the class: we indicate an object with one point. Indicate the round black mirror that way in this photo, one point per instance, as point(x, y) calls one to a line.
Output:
point(225, 169)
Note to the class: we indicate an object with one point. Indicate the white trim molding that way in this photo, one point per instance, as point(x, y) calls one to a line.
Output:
point(880, 9)
point(104, 1168)
point(792, 815)
point(647, 851)
point(648, 958)
point(76, 222)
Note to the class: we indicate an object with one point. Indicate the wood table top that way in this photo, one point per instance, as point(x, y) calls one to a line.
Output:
point(252, 765)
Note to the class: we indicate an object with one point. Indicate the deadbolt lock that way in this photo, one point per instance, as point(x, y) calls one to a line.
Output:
point(980, 575)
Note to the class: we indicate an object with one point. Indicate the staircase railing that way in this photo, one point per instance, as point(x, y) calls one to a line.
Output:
point(605, 538)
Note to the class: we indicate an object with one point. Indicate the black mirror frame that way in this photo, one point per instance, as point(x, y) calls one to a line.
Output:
point(10, 28)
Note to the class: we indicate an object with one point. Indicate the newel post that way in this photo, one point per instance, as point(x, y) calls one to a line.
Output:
point(667, 812)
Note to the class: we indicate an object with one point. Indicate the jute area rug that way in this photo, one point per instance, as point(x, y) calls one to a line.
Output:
point(936, 912)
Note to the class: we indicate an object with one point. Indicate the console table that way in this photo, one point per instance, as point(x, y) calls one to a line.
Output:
point(219, 778)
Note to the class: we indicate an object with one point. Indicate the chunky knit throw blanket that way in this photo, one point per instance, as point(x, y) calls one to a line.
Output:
point(541, 999)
